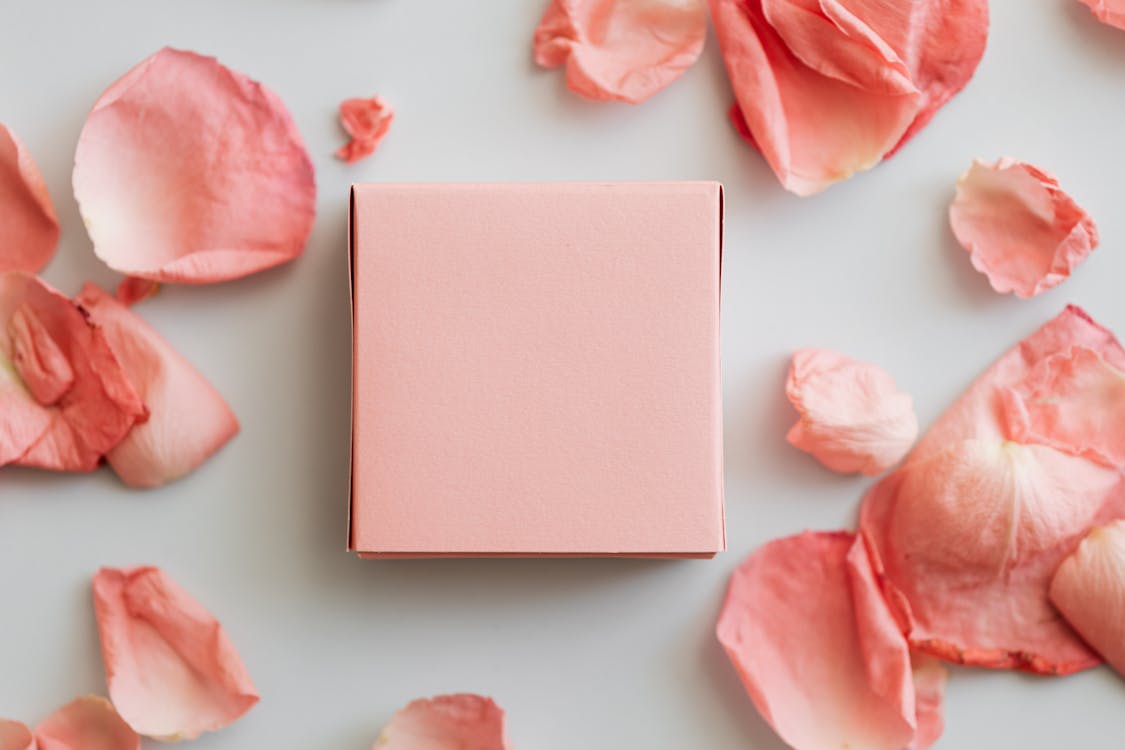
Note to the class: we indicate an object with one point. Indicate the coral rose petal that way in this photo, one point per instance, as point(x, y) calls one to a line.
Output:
point(15, 736)
point(1110, 12)
point(89, 723)
point(367, 121)
point(187, 171)
point(172, 671)
point(134, 289)
point(1021, 230)
point(188, 419)
point(623, 50)
point(853, 419)
point(1089, 590)
point(797, 625)
point(930, 678)
point(462, 721)
point(31, 230)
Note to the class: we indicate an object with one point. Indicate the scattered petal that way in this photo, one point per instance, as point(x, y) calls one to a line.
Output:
point(852, 417)
point(1089, 590)
point(15, 736)
point(930, 677)
point(447, 722)
point(187, 171)
point(367, 122)
point(31, 230)
point(621, 50)
point(1110, 12)
point(89, 723)
point(172, 671)
point(188, 419)
point(134, 289)
point(1021, 230)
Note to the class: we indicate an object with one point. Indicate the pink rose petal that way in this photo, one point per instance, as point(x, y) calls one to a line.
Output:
point(447, 722)
point(1021, 230)
point(31, 229)
point(853, 419)
point(89, 723)
point(134, 289)
point(930, 678)
point(15, 736)
point(1089, 590)
point(622, 50)
point(187, 171)
point(171, 670)
point(367, 122)
point(188, 419)
point(1110, 12)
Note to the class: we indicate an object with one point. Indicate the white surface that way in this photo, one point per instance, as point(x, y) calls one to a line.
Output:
point(583, 654)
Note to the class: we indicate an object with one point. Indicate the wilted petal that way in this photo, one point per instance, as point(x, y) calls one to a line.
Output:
point(1089, 589)
point(188, 419)
point(367, 122)
point(171, 670)
point(89, 723)
point(133, 289)
point(624, 50)
point(38, 358)
point(31, 229)
point(15, 736)
point(930, 677)
point(1111, 12)
point(1021, 230)
point(462, 721)
point(853, 419)
point(187, 171)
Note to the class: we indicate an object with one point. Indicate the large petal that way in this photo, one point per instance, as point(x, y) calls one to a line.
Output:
point(172, 671)
point(89, 723)
point(461, 721)
point(187, 171)
point(188, 419)
point(1111, 12)
point(624, 50)
point(31, 230)
point(15, 736)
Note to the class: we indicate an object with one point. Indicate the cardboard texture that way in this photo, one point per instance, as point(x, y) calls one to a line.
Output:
point(536, 370)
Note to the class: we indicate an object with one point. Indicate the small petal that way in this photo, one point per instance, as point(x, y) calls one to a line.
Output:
point(15, 736)
point(622, 50)
point(1089, 590)
point(187, 171)
point(188, 419)
point(367, 122)
point(853, 419)
point(31, 230)
point(930, 678)
point(134, 289)
point(38, 358)
point(89, 723)
point(1021, 230)
point(462, 721)
point(1110, 12)
point(171, 670)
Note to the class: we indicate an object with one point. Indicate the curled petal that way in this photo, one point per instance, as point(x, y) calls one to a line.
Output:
point(171, 670)
point(89, 723)
point(31, 230)
point(134, 289)
point(853, 419)
point(1089, 590)
point(1110, 12)
point(623, 50)
point(930, 678)
point(15, 736)
point(1021, 230)
point(367, 122)
point(187, 171)
point(462, 721)
point(188, 419)
point(38, 358)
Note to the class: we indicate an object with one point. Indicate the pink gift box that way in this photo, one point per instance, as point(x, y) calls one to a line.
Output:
point(536, 370)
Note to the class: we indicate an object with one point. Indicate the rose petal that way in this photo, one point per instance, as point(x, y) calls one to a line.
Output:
point(70, 367)
point(930, 678)
point(852, 417)
point(1111, 12)
point(171, 670)
point(187, 171)
point(447, 722)
point(1089, 590)
point(134, 289)
point(188, 419)
point(1021, 230)
point(31, 230)
point(15, 736)
point(811, 638)
point(367, 122)
point(89, 723)
point(623, 50)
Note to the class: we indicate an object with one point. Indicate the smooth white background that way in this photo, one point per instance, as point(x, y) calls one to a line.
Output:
point(583, 654)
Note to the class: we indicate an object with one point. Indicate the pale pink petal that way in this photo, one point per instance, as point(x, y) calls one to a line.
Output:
point(797, 624)
point(134, 289)
point(187, 171)
point(171, 670)
point(188, 419)
point(623, 50)
point(89, 723)
point(462, 721)
point(367, 122)
point(853, 419)
point(1021, 230)
point(930, 678)
point(76, 403)
point(1089, 590)
point(15, 736)
point(31, 229)
point(1111, 12)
